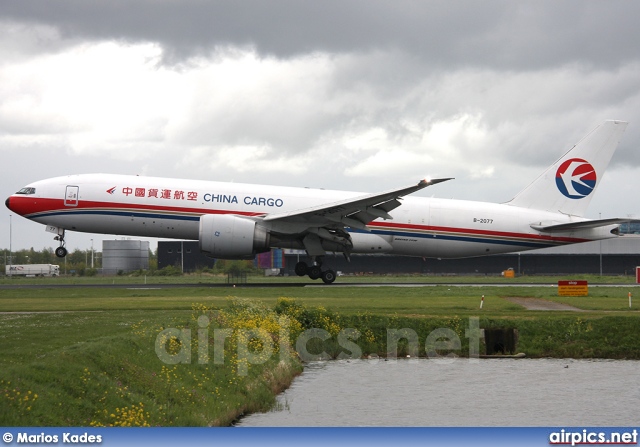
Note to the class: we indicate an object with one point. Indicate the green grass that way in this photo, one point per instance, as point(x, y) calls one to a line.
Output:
point(89, 353)
point(101, 369)
point(417, 301)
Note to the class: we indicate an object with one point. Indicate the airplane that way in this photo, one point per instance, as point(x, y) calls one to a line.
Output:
point(237, 221)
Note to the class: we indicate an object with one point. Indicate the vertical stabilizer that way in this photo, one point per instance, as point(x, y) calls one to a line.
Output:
point(567, 186)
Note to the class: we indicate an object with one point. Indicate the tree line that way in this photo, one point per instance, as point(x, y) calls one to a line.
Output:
point(77, 261)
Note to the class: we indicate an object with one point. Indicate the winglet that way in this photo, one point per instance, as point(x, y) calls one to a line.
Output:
point(435, 181)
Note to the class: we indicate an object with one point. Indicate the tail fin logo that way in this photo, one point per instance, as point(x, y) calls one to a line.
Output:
point(576, 178)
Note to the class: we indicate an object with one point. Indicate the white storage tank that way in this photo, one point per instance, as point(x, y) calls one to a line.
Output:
point(124, 256)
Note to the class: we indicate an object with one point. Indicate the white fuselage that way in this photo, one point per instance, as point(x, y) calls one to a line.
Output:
point(171, 208)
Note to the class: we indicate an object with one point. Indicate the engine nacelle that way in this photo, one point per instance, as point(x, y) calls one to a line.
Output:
point(227, 236)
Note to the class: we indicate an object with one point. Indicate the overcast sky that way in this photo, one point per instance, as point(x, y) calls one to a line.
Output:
point(357, 95)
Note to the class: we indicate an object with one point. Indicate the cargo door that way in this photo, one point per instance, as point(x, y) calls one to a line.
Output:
point(72, 196)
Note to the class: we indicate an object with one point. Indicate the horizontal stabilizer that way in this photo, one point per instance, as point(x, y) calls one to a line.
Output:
point(583, 225)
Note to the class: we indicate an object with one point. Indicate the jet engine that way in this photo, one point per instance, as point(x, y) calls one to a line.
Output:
point(227, 236)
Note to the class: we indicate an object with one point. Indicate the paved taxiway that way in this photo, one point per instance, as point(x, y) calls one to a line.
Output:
point(284, 285)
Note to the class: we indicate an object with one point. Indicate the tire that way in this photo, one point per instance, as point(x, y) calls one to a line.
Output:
point(314, 272)
point(61, 252)
point(328, 276)
point(301, 268)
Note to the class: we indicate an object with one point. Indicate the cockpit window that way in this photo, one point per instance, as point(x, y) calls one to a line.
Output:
point(27, 191)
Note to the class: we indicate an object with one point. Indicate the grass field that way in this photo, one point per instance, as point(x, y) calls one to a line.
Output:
point(380, 300)
point(101, 369)
point(87, 355)
point(205, 279)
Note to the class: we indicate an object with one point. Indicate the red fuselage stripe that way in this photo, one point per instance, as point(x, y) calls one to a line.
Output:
point(31, 207)
point(502, 234)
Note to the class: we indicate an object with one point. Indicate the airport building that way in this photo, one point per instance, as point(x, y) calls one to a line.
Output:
point(610, 257)
point(185, 255)
point(618, 256)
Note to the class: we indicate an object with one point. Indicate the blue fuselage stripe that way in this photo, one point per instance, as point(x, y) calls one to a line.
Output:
point(117, 213)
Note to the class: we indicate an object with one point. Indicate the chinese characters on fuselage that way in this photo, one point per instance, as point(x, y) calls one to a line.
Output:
point(168, 194)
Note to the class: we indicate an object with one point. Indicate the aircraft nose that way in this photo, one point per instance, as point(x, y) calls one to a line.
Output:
point(8, 203)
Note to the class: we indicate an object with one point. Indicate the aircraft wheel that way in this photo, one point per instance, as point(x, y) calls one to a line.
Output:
point(328, 276)
point(301, 268)
point(314, 272)
point(61, 252)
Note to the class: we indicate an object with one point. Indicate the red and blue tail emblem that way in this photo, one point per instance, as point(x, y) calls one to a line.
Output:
point(576, 178)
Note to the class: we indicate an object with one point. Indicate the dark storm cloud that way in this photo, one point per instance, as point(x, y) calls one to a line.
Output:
point(495, 33)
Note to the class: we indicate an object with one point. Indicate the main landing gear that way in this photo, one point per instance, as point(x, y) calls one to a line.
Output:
point(315, 271)
point(61, 252)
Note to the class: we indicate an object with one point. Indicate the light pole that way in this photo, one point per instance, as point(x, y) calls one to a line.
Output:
point(600, 217)
point(10, 249)
point(91, 253)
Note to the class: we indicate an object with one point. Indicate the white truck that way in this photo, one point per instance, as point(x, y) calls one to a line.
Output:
point(33, 270)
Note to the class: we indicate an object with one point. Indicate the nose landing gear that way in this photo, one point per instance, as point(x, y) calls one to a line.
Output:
point(61, 251)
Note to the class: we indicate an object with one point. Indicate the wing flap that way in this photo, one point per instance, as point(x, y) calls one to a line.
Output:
point(390, 205)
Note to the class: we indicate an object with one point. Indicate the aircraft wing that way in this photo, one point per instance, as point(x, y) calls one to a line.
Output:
point(355, 212)
point(572, 226)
